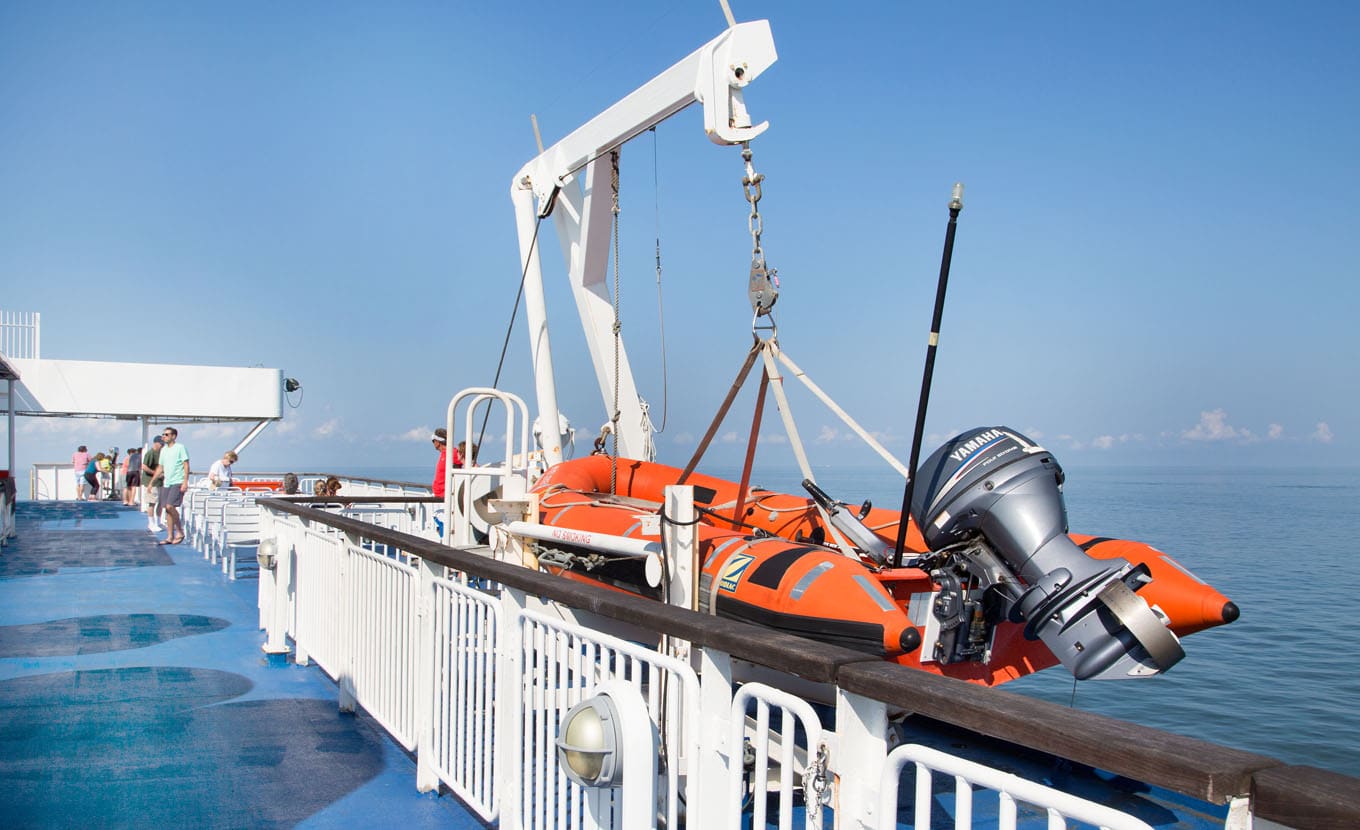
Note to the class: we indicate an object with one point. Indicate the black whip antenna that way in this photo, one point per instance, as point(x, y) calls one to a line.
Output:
point(955, 205)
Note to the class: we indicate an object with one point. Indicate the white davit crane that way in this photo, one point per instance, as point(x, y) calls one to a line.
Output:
point(561, 182)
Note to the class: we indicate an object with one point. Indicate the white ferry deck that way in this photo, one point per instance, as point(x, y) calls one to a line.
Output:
point(134, 693)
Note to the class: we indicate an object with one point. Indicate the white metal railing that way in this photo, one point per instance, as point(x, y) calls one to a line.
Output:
point(53, 481)
point(21, 334)
point(562, 664)
point(319, 604)
point(476, 680)
point(465, 627)
point(56, 481)
point(380, 625)
point(793, 715)
point(1058, 807)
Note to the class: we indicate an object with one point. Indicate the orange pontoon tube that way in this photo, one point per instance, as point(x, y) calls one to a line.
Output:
point(967, 606)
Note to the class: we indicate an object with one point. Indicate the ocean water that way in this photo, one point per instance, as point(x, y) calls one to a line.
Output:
point(1284, 544)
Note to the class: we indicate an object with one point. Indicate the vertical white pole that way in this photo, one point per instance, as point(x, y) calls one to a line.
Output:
point(276, 608)
point(510, 756)
point(348, 624)
point(536, 314)
point(640, 744)
point(862, 724)
point(706, 795)
point(427, 777)
point(145, 484)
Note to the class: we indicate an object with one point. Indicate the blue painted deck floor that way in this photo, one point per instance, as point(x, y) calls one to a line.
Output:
point(133, 693)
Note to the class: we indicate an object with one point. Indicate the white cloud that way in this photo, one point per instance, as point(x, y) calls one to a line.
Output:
point(729, 437)
point(420, 433)
point(213, 432)
point(1322, 433)
point(682, 438)
point(1103, 442)
point(77, 428)
point(827, 434)
point(1034, 434)
point(1213, 426)
point(328, 429)
point(285, 427)
point(1274, 432)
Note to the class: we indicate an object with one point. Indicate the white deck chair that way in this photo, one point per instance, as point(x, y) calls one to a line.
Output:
point(191, 511)
point(240, 528)
point(205, 532)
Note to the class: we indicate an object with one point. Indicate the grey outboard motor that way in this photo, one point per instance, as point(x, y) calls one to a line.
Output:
point(995, 483)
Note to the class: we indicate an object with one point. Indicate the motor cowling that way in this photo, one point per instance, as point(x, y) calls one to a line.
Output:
point(994, 483)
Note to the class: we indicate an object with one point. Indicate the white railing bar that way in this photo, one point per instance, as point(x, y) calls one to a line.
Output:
point(1010, 787)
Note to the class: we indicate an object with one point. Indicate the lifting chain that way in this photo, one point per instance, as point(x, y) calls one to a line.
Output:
point(764, 284)
point(618, 328)
point(816, 787)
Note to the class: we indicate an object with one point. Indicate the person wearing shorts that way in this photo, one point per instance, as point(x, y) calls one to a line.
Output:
point(132, 477)
point(174, 465)
point(152, 478)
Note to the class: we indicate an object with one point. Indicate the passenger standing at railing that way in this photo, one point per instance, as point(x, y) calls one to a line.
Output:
point(219, 476)
point(80, 459)
point(440, 439)
point(175, 467)
point(92, 478)
point(132, 476)
point(151, 460)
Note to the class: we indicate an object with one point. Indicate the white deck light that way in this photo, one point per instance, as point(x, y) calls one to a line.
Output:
point(601, 736)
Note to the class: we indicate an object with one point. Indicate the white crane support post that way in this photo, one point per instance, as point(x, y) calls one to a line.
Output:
point(566, 177)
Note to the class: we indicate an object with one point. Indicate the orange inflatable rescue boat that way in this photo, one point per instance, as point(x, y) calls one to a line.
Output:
point(993, 590)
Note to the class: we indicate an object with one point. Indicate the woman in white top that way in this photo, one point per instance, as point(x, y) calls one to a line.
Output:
point(219, 475)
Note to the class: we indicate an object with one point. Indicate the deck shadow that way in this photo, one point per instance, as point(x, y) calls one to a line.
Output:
point(142, 747)
point(34, 554)
point(102, 633)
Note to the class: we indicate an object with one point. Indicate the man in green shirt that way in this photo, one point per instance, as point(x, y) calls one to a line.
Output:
point(174, 465)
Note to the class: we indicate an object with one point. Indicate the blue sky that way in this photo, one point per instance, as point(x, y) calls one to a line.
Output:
point(1157, 261)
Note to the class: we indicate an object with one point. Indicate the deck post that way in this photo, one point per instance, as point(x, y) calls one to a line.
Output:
point(427, 774)
point(862, 724)
point(705, 801)
point(509, 710)
point(300, 656)
point(348, 702)
point(274, 585)
point(679, 538)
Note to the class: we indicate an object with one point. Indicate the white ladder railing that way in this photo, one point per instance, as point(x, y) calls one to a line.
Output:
point(21, 334)
point(511, 473)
